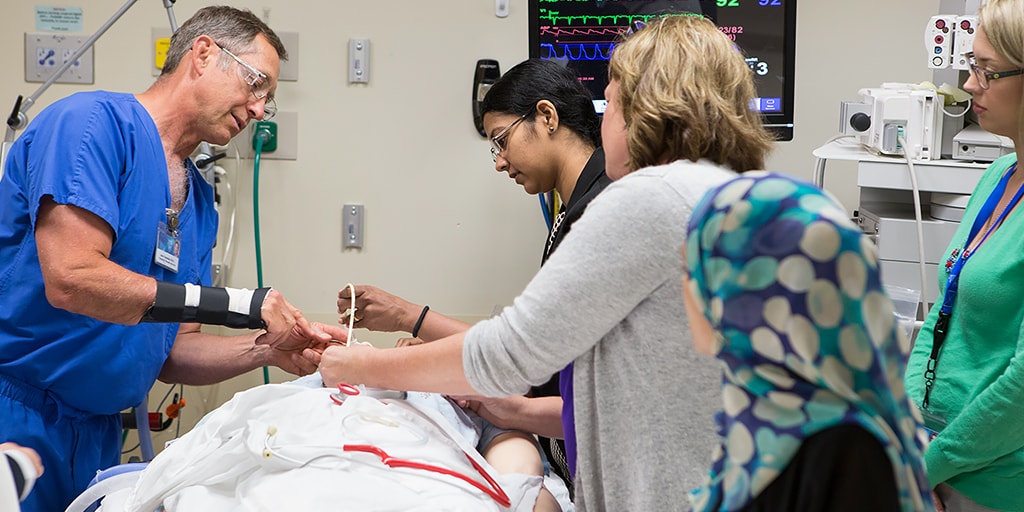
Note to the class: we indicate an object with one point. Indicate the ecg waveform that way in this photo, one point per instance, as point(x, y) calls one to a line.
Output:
point(613, 19)
point(592, 51)
point(588, 37)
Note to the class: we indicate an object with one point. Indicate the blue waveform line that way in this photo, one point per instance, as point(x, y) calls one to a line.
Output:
point(594, 51)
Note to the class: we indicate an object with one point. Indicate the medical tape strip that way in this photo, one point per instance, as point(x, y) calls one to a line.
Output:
point(230, 307)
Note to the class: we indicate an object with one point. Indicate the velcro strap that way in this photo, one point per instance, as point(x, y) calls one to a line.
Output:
point(238, 308)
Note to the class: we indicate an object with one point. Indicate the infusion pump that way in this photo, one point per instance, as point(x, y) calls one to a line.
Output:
point(896, 119)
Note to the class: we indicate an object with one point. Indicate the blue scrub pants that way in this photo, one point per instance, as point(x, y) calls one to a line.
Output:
point(73, 444)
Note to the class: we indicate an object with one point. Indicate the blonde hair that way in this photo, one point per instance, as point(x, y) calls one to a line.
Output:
point(685, 93)
point(1003, 23)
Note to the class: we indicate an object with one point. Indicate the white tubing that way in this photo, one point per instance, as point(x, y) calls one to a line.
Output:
point(101, 489)
point(9, 499)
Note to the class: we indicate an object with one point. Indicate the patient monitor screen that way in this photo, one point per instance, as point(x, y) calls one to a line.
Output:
point(582, 33)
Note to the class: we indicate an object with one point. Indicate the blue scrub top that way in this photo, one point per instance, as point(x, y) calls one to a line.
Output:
point(101, 152)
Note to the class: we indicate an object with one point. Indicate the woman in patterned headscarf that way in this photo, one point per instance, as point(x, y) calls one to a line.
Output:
point(785, 291)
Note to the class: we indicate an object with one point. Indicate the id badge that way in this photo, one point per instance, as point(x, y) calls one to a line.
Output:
point(933, 423)
point(168, 247)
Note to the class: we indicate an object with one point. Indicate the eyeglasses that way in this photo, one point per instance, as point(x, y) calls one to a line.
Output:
point(985, 77)
point(634, 27)
point(499, 141)
point(257, 81)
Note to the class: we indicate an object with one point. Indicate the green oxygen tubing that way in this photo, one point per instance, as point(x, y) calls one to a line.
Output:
point(262, 136)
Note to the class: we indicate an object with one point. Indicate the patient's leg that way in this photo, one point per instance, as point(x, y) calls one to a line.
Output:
point(516, 452)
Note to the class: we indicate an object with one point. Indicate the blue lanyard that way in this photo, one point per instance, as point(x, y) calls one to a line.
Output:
point(953, 281)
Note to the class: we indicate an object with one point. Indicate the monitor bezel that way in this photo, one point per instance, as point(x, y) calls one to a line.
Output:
point(781, 123)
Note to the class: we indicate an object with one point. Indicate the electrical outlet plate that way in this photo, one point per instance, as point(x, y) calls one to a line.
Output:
point(45, 52)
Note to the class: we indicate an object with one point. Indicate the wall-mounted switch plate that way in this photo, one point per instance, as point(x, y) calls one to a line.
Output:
point(352, 226)
point(359, 61)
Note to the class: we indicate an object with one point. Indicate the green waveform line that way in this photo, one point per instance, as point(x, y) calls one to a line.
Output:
point(553, 17)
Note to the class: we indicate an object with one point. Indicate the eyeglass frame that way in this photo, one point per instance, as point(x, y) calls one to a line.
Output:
point(270, 106)
point(497, 144)
point(988, 76)
point(634, 27)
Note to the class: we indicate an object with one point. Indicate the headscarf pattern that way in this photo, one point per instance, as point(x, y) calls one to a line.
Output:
point(805, 330)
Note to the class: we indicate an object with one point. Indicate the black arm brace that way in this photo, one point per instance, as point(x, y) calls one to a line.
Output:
point(214, 306)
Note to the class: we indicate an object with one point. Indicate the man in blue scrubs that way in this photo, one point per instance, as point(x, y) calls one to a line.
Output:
point(106, 238)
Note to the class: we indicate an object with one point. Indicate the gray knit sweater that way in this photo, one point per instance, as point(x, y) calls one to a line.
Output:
point(610, 300)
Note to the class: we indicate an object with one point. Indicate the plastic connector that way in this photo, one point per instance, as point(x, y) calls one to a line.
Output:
point(267, 131)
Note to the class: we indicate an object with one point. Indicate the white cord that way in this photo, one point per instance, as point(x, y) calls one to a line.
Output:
point(366, 459)
point(270, 451)
point(918, 221)
point(967, 108)
point(351, 309)
point(234, 208)
point(231, 225)
point(229, 195)
point(819, 163)
point(418, 436)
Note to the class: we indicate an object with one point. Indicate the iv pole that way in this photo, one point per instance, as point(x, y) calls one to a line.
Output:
point(18, 118)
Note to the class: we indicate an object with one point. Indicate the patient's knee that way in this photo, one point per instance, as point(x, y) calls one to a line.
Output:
point(514, 452)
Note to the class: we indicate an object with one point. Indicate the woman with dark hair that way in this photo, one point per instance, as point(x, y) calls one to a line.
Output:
point(560, 137)
point(545, 134)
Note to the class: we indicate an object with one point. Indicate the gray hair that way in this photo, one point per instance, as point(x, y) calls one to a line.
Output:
point(235, 29)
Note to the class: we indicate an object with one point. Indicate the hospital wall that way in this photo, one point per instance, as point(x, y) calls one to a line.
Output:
point(441, 227)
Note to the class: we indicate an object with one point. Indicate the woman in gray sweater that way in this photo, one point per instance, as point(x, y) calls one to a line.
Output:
point(608, 301)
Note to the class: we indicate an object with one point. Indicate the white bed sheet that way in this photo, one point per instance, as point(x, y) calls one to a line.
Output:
point(278, 447)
